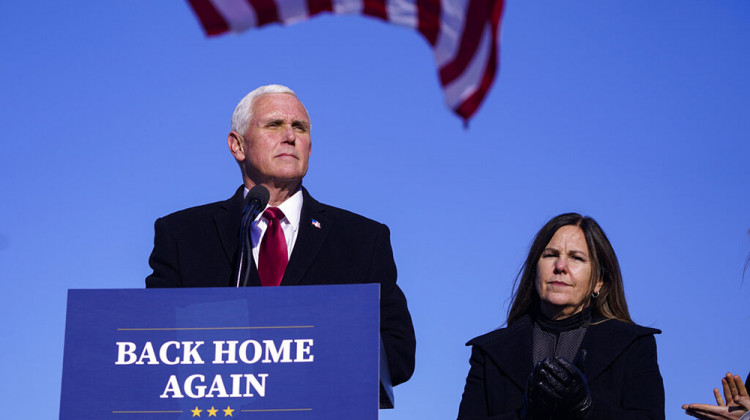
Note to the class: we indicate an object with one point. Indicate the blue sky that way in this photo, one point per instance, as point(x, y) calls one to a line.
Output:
point(116, 113)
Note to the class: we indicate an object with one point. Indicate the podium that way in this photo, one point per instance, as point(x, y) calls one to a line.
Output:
point(295, 352)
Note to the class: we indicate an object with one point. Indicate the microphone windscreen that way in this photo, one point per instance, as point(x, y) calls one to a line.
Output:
point(259, 193)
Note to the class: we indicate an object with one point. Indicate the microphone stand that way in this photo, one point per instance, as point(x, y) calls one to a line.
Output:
point(257, 199)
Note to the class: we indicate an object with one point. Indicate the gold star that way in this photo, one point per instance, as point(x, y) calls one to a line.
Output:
point(228, 412)
point(212, 411)
point(196, 412)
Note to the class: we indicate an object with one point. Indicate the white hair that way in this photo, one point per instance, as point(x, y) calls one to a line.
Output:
point(244, 110)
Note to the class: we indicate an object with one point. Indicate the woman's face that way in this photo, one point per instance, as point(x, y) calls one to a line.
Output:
point(563, 273)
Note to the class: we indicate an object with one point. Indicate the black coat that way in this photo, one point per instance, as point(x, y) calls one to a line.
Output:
point(197, 247)
point(620, 367)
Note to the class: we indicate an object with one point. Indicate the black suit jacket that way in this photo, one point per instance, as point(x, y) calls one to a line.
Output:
point(197, 247)
point(620, 367)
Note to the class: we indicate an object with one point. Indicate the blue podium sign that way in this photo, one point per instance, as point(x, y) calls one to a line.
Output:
point(299, 352)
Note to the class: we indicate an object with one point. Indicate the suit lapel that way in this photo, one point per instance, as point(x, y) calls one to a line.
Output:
point(314, 226)
point(227, 222)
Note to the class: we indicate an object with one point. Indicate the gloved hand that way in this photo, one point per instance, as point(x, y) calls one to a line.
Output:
point(556, 390)
point(568, 382)
point(539, 400)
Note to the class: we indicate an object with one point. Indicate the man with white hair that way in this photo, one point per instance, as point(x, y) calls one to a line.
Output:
point(308, 242)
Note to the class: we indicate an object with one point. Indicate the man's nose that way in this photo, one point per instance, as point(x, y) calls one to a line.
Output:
point(289, 134)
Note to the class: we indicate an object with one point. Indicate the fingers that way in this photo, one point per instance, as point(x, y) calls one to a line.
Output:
point(552, 385)
point(729, 385)
point(691, 413)
point(717, 395)
point(553, 372)
point(566, 366)
point(705, 411)
point(741, 390)
point(706, 408)
point(565, 371)
point(701, 415)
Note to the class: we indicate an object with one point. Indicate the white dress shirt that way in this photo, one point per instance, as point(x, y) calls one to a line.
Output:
point(292, 209)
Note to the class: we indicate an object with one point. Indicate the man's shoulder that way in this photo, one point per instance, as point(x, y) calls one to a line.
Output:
point(343, 214)
point(197, 213)
point(339, 214)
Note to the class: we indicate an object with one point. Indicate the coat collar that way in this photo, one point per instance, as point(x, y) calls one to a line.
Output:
point(314, 226)
point(510, 348)
point(605, 340)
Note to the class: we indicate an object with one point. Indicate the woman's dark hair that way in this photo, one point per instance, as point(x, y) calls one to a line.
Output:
point(611, 300)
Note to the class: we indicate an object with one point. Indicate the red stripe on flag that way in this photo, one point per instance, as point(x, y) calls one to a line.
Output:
point(479, 15)
point(211, 20)
point(428, 12)
point(469, 106)
point(265, 10)
point(474, 24)
point(375, 8)
point(318, 6)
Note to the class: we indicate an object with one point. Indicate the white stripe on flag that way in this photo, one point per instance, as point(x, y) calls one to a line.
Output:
point(292, 11)
point(402, 12)
point(347, 6)
point(469, 81)
point(238, 14)
point(452, 17)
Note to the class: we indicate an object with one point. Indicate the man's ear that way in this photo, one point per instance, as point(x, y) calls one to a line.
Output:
point(236, 144)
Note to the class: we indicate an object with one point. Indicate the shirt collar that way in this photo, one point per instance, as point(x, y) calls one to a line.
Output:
point(292, 208)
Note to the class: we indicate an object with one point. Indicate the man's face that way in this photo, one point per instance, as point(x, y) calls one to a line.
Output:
point(277, 140)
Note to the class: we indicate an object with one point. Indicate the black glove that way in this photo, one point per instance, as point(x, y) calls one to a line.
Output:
point(539, 402)
point(556, 390)
point(569, 383)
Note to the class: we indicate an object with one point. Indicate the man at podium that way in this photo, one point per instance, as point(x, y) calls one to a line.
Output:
point(295, 240)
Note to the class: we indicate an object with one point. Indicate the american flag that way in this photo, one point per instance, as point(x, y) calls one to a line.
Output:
point(462, 33)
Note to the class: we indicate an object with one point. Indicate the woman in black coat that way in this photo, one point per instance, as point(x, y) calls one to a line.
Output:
point(570, 350)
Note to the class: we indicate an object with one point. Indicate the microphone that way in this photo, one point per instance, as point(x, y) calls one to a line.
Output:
point(255, 202)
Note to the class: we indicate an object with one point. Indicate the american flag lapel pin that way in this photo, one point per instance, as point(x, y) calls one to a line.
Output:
point(316, 223)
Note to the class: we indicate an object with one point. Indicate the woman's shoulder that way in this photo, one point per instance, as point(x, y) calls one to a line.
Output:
point(487, 338)
point(502, 334)
point(618, 326)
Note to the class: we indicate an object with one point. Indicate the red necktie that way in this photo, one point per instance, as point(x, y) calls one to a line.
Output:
point(273, 256)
